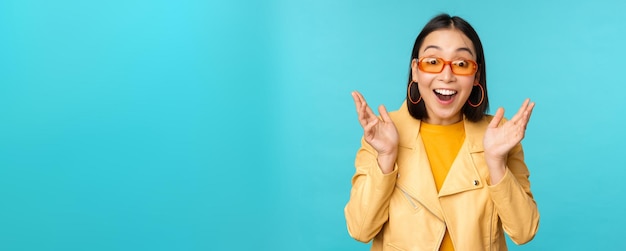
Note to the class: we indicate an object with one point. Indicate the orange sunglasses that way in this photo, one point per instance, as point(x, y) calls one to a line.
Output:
point(463, 67)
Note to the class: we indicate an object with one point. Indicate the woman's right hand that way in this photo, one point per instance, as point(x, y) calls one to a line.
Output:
point(380, 133)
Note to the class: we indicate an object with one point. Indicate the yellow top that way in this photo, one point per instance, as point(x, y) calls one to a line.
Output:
point(442, 143)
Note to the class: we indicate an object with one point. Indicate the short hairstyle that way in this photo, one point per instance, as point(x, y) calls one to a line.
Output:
point(440, 22)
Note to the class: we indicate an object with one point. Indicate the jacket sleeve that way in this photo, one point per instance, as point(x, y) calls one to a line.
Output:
point(368, 208)
point(514, 201)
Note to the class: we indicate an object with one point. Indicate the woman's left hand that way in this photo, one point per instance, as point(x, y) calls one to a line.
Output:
point(500, 139)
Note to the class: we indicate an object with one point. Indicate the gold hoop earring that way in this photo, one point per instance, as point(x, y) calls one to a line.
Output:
point(409, 94)
point(482, 97)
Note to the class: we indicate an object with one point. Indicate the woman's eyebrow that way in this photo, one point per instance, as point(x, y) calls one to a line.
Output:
point(459, 49)
point(431, 47)
point(465, 49)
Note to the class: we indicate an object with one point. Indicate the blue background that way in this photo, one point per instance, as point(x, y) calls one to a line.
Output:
point(195, 125)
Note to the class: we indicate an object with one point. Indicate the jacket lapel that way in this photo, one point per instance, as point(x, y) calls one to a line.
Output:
point(414, 174)
point(416, 179)
point(463, 174)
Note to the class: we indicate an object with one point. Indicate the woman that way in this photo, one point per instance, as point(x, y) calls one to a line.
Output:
point(440, 174)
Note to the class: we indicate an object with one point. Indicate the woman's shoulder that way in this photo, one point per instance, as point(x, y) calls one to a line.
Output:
point(401, 114)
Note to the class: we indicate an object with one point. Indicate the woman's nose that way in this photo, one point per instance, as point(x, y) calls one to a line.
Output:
point(446, 74)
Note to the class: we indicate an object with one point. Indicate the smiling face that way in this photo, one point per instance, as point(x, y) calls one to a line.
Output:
point(445, 93)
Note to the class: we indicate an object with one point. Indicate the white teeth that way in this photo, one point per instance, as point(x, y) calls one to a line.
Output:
point(445, 92)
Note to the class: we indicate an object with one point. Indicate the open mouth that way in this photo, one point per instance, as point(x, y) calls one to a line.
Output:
point(444, 95)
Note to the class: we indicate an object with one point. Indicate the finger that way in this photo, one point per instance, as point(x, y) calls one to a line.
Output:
point(365, 107)
point(371, 115)
point(497, 118)
point(530, 108)
point(368, 129)
point(357, 101)
point(360, 97)
point(362, 101)
point(383, 113)
point(355, 97)
point(361, 108)
point(520, 112)
point(527, 114)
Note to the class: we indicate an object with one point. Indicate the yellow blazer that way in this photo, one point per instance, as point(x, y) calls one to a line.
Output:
point(402, 210)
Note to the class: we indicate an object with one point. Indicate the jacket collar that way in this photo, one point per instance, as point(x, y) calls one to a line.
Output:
point(410, 127)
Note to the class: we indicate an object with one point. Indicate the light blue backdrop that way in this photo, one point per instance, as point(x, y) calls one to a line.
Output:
point(195, 125)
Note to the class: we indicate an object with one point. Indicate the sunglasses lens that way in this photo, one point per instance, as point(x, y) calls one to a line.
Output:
point(463, 67)
point(432, 65)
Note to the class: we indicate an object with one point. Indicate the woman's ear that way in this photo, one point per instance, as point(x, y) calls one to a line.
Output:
point(477, 78)
point(414, 69)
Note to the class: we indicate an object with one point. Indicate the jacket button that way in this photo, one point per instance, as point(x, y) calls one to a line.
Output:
point(475, 182)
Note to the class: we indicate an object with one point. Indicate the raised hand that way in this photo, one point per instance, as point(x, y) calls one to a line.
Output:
point(380, 133)
point(500, 139)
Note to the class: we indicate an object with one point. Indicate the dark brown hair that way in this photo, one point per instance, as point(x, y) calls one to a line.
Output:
point(445, 21)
